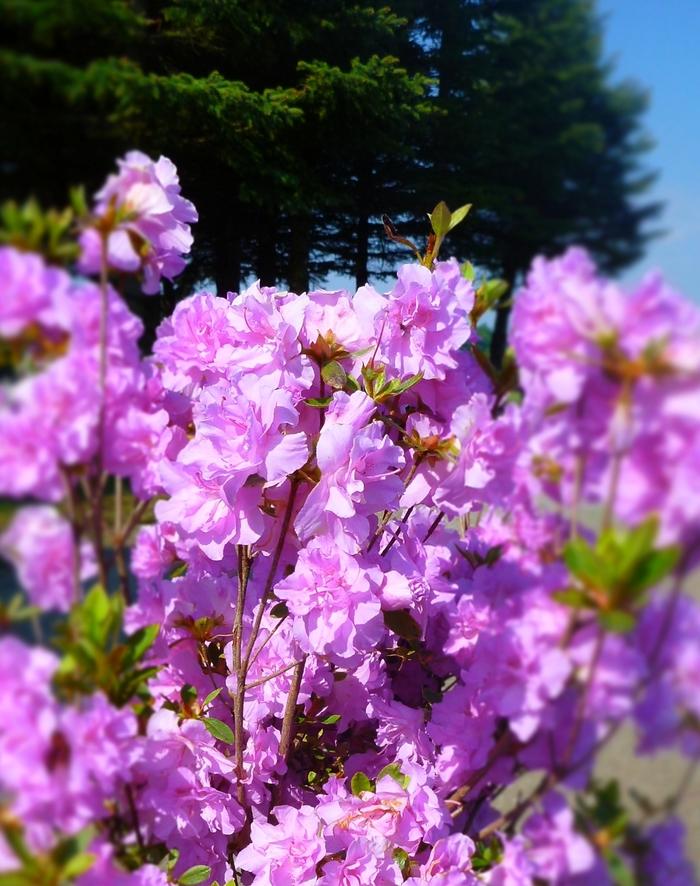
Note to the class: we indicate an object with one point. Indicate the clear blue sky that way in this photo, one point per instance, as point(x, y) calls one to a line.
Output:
point(657, 43)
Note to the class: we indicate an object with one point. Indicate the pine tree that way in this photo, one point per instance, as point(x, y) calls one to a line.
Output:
point(297, 125)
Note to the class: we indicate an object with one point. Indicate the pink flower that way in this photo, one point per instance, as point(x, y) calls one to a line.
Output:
point(241, 445)
point(364, 862)
point(394, 814)
point(336, 613)
point(285, 854)
point(39, 544)
point(449, 864)
point(426, 320)
point(487, 451)
point(152, 231)
point(556, 851)
point(332, 325)
point(31, 292)
point(191, 344)
point(359, 467)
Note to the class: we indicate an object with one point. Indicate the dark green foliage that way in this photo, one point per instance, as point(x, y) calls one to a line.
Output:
point(295, 126)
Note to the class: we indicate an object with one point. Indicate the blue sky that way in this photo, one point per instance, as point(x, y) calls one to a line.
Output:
point(657, 43)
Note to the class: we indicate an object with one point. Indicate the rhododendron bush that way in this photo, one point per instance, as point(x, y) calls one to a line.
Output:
point(314, 585)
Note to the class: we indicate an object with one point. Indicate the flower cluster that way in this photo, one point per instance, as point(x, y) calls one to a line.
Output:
point(352, 581)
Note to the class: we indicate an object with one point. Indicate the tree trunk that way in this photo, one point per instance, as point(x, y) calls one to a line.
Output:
point(499, 341)
point(227, 254)
point(267, 251)
point(299, 247)
point(362, 247)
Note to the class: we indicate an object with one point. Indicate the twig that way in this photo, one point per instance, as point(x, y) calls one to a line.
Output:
point(98, 488)
point(267, 639)
point(271, 676)
point(580, 714)
point(239, 694)
point(134, 817)
point(267, 590)
point(289, 710)
point(75, 525)
point(433, 526)
point(134, 518)
point(387, 514)
point(504, 743)
point(397, 532)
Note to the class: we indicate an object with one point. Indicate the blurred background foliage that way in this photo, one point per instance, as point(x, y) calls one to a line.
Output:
point(296, 125)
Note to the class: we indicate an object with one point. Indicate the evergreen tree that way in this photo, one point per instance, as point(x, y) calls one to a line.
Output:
point(536, 135)
point(297, 125)
point(259, 105)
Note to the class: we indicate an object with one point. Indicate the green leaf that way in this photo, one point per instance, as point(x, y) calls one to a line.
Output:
point(171, 859)
point(188, 693)
point(469, 271)
point(399, 387)
point(584, 563)
point(617, 621)
point(652, 569)
point(571, 597)
point(178, 570)
point(280, 610)
point(459, 215)
point(402, 859)
point(619, 871)
point(637, 543)
point(334, 375)
point(17, 878)
point(401, 622)
point(139, 643)
point(197, 874)
point(77, 865)
point(218, 729)
point(212, 695)
point(394, 771)
point(440, 219)
point(318, 402)
point(330, 720)
point(359, 783)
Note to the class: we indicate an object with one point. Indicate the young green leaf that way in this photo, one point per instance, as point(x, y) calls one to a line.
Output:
point(197, 874)
point(459, 215)
point(359, 783)
point(440, 219)
point(584, 564)
point(617, 621)
point(212, 695)
point(334, 375)
point(218, 729)
point(571, 597)
point(394, 771)
point(77, 865)
point(402, 859)
point(139, 643)
point(653, 569)
point(318, 402)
